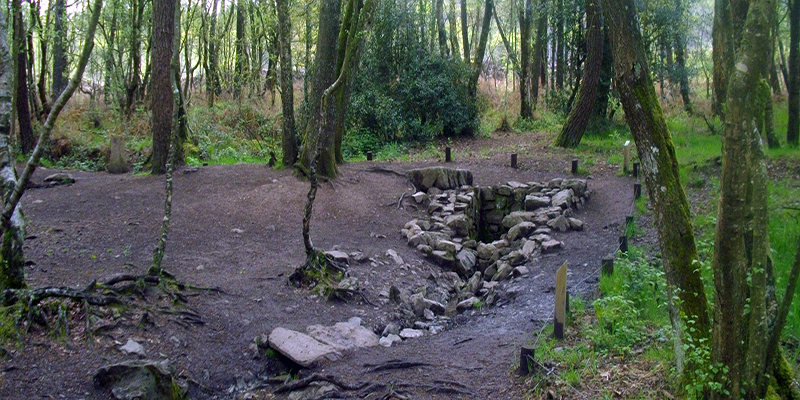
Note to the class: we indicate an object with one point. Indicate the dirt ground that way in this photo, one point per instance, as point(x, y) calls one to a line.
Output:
point(239, 228)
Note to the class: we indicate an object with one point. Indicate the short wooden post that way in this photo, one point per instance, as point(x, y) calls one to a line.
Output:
point(637, 190)
point(628, 221)
point(514, 160)
point(607, 266)
point(623, 243)
point(527, 356)
point(561, 302)
point(574, 166)
point(369, 156)
point(447, 156)
point(636, 169)
point(626, 156)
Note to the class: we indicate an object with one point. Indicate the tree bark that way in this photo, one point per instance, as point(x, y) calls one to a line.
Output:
point(23, 109)
point(161, 92)
point(525, 22)
point(59, 49)
point(578, 118)
point(134, 81)
point(212, 79)
point(465, 30)
point(604, 84)
point(659, 164)
point(480, 53)
point(451, 16)
point(793, 124)
point(680, 57)
point(289, 142)
point(444, 51)
point(240, 53)
point(539, 50)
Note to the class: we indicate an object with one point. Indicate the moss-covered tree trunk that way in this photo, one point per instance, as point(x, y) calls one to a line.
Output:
point(480, 52)
point(525, 25)
point(539, 50)
point(793, 84)
point(289, 142)
point(659, 164)
point(582, 110)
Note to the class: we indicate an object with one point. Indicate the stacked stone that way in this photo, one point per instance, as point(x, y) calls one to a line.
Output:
point(516, 220)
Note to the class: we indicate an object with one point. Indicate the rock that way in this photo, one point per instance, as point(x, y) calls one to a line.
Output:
point(467, 304)
point(487, 252)
point(420, 197)
point(520, 230)
point(551, 245)
point(434, 207)
point(516, 217)
point(500, 243)
point(439, 177)
point(494, 217)
point(464, 198)
point(529, 248)
point(344, 335)
point(429, 315)
point(521, 271)
point(425, 249)
point(578, 186)
point(474, 284)
point(409, 333)
point(389, 340)
point(446, 245)
point(562, 199)
point(237, 231)
point(349, 283)
point(503, 272)
point(301, 348)
point(459, 223)
point(391, 328)
point(533, 202)
point(359, 257)
point(434, 191)
point(435, 306)
point(338, 256)
point(559, 223)
point(417, 303)
point(117, 159)
point(516, 257)
point(59, 178)
point(443, 258)
point(144, 379)
point(395, 295)
point(555, 183)
point(395, 257)
point(466, 260)
point(132, 347)
point(490, 271)
point(575, 224)
point(417, 240)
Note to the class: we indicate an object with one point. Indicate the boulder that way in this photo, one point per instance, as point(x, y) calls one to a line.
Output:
point(444, 258)
point(487, 252)
point(467, 304)
point(551, 245)
point(301, 348)
point(516, 257)
point(144, 379)
point(516, 217)
point(344, 335)
point(420, 197)
point(521, 271)
point(562, 199)
point(520, 230)
point(504, 270)
point(578, 186)
point(575, 224)
point(417, 303)
point(474, 284)
point(338, 256)
point(466, 260)
point(446, 245)
point(459, 223)
point(529, 248)
point(389, 340)
point(559, 223)
point(439, 177)
point(533, 202)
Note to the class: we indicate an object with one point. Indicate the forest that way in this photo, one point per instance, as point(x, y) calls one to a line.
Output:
point(165, 165)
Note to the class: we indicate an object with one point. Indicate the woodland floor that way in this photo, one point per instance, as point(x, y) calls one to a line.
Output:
point(239, 228)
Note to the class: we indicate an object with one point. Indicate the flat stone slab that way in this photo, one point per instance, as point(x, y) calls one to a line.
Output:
point(344, 335)
point(301, 348)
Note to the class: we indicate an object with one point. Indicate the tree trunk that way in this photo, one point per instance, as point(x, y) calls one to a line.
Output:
point(23, 109)
point(442, 33)
point(793, 85)
point(578, 119)
point(480, 53)
point(659, 164)
point(680, 58)
point(525, 22)
point(289, 142)
point(465, 30)
point(538, 52)
point(604, 83)
point(161, 89)
point(134, 84)
point(560, 45)
point(241, 58)
point(59, 49)
point(451, 17)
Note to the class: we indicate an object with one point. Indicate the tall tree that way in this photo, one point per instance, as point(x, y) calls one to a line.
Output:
point(680, 56)
point(289, 142)
point(444, 51)
point(240, 53)
point(539, 50)
point(480, 53)
point(212, 77)
point(161, 92)
point(465, 30)
point(59, 49)
point(659, 163)
point(793, 124)
point(578, 118)
point(23, 109)
point(525, 25)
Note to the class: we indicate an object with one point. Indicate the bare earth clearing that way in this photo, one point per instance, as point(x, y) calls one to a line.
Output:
point(239, 228)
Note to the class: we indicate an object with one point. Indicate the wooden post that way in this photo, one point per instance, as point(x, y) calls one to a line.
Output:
point(527, 356)
point(636, 169)
point(623, 243)
point(637, 190)
point(514, 160)
point(369, 156)
point(561, 302)
point(628, 220)
point(607, 266)
point(447, 157)
point(574, 166)
point(626, 156)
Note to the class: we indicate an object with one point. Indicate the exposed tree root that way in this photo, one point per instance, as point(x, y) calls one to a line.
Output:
point(395, 364)
point(382, 170)
point(316, 377)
